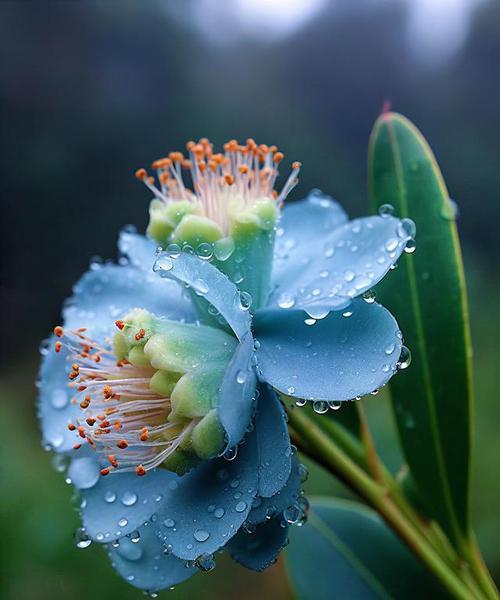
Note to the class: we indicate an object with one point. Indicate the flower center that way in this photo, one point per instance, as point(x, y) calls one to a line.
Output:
point(241, 175)
point(122, 418)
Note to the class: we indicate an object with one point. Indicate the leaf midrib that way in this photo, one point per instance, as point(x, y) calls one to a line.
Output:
point(416, 309)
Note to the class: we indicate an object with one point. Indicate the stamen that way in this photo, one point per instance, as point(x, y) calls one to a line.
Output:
point(139, 428)
point(247, 172)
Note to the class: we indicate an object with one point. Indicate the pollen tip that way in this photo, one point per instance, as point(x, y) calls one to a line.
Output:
point(59, 331)
point(120, 324)
point(141, 174)
point(104, 472)
point(140, 470)
point(58, 346)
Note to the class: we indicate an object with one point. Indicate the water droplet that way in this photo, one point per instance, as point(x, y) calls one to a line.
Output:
point(406, 228)
point(320, 407)
point(290, 390)
point(205, 251)
point(169, 523)
point(286, 301)
point(174, 250)
point(369, 296)
point(123, 522)
point(300, 402)
point(82, 540)
point(292, 514)
point(135, 536)
point(310, 321)
point(219, 513)
point(404, 358)
point(245, 300)
point(200, 286)
point(349, 275)
point(334, 405)
point(303, 472)
point(386, 368)
point(410, 247)
point(347, 313)
point(163, 263)
point(230, 454)
point(200, 535)
point(241, 377)
point(129, 498)
point(391, 244)
point(205, 562)
point(240, 507)
point(386, 210)
point(59, 398)
point(390, 349)
point(109, 497)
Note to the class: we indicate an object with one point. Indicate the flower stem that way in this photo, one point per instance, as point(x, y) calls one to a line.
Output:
point(378, 496)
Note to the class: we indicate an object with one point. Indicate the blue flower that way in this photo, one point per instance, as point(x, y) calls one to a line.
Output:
point(315, 333)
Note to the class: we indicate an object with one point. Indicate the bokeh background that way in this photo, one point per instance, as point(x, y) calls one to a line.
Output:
point(91, 90)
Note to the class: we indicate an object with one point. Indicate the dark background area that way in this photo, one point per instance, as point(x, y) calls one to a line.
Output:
point(92, 90)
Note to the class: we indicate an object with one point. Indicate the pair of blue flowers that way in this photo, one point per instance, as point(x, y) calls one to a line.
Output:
point(220, 472)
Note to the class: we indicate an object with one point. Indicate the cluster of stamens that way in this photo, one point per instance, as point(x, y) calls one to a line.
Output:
point(247, 171)
point(122, 418)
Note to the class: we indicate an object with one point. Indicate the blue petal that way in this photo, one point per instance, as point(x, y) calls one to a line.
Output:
point(264, 508)
point(210, 504)
point(301, 234)
point(353, 258)
point(208, 282)
point(259, 550)
point(55, 409)
point(139, 249)
point(100, 297)
point(121, 503)
point(145, 565)
point(338, 358)
point(106, 293)
point(237, 393)
point(275, 451)
point(84, 472)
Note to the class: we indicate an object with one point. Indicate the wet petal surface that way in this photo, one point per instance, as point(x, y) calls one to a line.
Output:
point(259, 549)
point(237, 393)
point(344, 355)
point(210, 503)
point(144, 564)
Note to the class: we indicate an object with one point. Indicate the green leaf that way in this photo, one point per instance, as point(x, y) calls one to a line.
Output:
point(346, 551)
point(432, 399)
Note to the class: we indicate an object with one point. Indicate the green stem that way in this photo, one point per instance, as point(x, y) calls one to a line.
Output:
point(377, 496)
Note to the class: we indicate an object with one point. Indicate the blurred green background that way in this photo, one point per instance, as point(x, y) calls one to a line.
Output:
point(92, 90)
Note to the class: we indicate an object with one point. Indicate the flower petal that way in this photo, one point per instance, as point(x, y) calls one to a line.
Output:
point(301, 234)
point(107, 292)
point(144, 564)
point(275, 451)
point(237, 393)
point(353, 258)
point(139, 249)
point(336, 358)
point(259, 549)
point(265, 508)
point(209, 283)
point(121, 503)
point(55, 409)
point(210, 504)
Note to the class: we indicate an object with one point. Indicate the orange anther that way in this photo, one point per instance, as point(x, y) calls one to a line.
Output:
point(122, 444)
point(112, 460)
point(59, 331)
point(140, 470)
point(71, 427)
point(229, 179)
point(120, 324)
point(141, 174)
point(117, 425)
point(107, 391)
point(73, 375)
point(105, 472)
point(81, 431)
point(85, 402)
point(296, 165)
point(58, 346)
point(139, 335)
point(278, 157)
point(77, 447)
point(81, 388)
point(90, 421)
point(144, 435)
point(243, 169)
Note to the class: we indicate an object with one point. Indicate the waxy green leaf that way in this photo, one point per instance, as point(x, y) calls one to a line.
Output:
point(432, 399)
